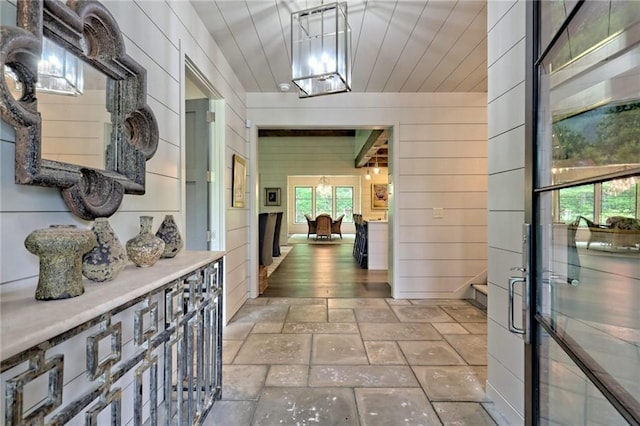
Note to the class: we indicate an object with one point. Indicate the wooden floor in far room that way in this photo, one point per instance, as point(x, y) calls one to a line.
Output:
point(327, 270)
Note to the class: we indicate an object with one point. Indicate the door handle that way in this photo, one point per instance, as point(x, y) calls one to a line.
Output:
point(512, 282)
point(525, 270)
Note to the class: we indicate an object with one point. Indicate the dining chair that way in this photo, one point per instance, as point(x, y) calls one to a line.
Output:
point(335, 226)
point(323, 226)
point(311, 224)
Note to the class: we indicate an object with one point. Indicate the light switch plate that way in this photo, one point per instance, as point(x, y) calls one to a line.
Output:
point(438, 212)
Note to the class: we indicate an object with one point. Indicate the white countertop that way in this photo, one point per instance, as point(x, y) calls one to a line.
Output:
point(26, 322)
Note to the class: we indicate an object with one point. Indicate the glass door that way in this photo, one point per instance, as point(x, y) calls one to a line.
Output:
point(586, 210)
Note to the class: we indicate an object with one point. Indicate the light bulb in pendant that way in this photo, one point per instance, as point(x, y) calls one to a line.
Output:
point(376, 169)
point(368, 175)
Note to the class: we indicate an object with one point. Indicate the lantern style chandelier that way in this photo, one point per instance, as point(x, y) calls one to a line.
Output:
point(59, 71)
point(324, 186)
point(321, 50)
point(618, 186)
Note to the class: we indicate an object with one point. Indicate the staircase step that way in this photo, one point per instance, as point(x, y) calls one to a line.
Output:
point(480, 295)
point(482, 288)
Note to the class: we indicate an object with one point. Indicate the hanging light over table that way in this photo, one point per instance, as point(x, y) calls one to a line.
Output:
point(324, 186)
point(376, 168)
point(321, 50)
point(59, 71)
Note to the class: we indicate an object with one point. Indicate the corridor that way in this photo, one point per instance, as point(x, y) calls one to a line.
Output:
point(362, 360)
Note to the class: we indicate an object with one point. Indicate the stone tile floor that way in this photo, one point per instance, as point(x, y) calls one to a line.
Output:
point(367, 362)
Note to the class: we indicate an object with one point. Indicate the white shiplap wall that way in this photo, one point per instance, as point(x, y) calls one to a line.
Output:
point(158, 35)
point(506, 103)
point(439, 161)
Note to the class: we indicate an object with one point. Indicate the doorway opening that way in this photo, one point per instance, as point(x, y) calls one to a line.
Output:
point(204, 205)
point(294, 163)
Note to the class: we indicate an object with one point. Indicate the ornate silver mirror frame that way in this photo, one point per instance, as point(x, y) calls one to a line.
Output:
point(89, 31)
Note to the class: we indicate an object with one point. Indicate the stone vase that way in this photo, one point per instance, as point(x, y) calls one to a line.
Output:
point(107, 259)
point(170, 234)
point(60, 249)
point(145, 248)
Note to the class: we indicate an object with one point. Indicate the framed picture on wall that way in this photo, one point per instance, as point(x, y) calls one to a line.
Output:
point(272, 196)
point(239, 181)
point(379, 196)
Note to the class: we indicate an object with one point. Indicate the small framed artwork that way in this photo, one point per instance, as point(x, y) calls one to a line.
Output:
point(379, 196)
point(272, 196)
point(239, 181)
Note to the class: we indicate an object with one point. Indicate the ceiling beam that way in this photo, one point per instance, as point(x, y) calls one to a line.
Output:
point(377, 140)
point(301, 133)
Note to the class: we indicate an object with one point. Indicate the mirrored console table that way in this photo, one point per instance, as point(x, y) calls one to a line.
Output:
point(145, 348)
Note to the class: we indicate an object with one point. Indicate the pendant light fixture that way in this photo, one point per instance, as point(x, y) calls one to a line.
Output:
point(321, 50)
point(376, 168)
point(59, 71)
point(324, 186)
point(368, 175)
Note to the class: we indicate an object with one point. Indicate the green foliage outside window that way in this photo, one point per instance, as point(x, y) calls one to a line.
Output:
point(605, 135)
point(344, 202)
point(580, 201)
point(616, 203)
point(304, 202)
point(306, 196)
point(576, 201)
point(324, 202)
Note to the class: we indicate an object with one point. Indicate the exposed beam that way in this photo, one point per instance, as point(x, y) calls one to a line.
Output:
point(377, 141)
point(300, 133)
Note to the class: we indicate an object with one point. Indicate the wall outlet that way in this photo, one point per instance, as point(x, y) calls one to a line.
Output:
point(438, 212)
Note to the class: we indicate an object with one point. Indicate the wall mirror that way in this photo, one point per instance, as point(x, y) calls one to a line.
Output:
point(78, 104)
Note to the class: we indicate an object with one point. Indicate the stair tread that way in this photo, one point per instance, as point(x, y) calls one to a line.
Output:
point(482, 288)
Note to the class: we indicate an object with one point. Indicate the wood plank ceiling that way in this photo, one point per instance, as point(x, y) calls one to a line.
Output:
point(405, 46)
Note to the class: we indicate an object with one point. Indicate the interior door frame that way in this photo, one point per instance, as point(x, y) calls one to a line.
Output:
point(531, 364)
point(216, 205)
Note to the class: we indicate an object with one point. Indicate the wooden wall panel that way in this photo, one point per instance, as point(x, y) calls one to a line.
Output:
point(443, 234)
point(166, 161)
point(439, 183)
point(467, 216)
point(443, 132)
point(440, 268)
point(445, 149)
point(447, 200)
point(444, 166)
point(504, 151)
point(166, 119)
point(507, 111)
point(507, 195)
point(445, 251)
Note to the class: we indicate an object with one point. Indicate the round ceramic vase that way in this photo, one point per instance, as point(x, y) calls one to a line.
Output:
point(60, 249)
point(170, 234)
point(145, 248)
point(107, 259)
